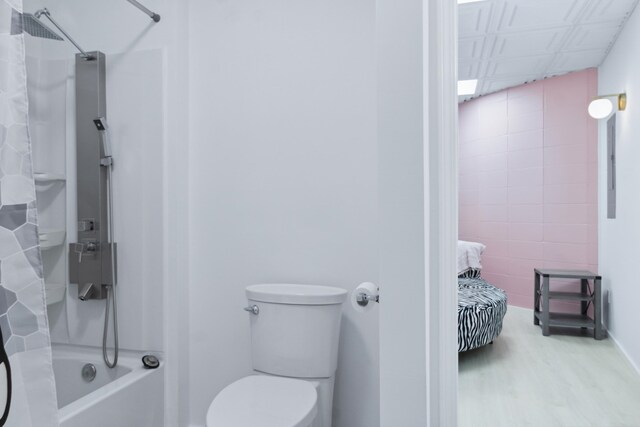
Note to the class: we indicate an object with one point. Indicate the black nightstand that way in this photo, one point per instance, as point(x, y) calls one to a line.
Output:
point(586, 296)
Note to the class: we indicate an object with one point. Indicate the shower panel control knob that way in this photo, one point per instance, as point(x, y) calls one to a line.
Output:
point(86, 225)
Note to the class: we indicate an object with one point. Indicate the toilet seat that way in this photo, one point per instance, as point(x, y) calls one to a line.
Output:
point(264, 401)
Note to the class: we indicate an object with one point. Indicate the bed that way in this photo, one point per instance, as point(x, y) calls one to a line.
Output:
point(481, 306)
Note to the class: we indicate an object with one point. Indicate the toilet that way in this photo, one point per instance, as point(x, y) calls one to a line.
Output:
point(295, 331)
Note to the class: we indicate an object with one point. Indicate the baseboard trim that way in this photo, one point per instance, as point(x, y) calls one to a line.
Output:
point(624, 352)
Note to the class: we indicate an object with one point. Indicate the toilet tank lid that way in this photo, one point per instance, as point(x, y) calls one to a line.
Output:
point(281, 293)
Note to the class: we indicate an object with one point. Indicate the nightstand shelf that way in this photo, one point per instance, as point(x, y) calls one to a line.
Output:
point(568, 320)
point(571, 296)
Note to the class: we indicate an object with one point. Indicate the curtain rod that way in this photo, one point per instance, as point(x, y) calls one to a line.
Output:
point(152, 15)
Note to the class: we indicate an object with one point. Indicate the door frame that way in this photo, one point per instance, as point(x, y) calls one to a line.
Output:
point(442, 163)
point(417, 142)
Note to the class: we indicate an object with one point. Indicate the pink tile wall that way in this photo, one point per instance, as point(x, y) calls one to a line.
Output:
point(528, 180)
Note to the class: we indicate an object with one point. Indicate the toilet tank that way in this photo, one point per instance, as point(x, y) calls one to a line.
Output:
point(296, 330)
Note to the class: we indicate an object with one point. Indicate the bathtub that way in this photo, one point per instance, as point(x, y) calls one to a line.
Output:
point(128, 395)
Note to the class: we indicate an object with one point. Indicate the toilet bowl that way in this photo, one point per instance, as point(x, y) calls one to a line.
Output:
point(262, 401)
point(295, 330)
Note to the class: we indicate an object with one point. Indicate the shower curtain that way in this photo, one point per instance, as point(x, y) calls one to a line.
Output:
point(27, 386)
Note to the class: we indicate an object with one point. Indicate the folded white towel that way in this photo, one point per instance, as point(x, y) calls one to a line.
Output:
point(469, 255)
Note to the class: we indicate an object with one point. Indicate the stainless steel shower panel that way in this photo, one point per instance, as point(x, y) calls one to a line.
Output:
point(90, 258)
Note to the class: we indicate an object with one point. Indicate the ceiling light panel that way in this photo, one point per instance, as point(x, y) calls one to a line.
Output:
point(467, 87)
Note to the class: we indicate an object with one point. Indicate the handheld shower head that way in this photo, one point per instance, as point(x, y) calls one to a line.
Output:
point(103, 128)
point(101, 124)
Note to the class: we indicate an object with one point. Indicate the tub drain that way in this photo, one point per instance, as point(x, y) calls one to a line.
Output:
point(89, 372)
point(150, 361)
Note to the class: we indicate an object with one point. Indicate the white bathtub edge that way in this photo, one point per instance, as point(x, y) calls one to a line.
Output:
point(130, 360)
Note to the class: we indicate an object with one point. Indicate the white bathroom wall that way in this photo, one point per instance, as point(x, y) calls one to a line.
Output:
point(47, 90)
point(619, 237)
point(136, 73)
point(283, 180)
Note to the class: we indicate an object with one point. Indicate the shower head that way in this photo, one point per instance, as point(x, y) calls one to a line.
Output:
point(41, 30)
point(33, 26)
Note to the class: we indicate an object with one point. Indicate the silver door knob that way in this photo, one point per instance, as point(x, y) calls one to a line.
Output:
point(253, 309)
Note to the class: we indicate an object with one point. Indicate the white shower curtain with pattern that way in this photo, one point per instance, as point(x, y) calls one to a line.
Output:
point(27, 385)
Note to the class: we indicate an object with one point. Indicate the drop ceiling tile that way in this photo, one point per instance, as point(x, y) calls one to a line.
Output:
point(518, 66)
point(470, 48)
point(469, 70)
point(532, 42)
point(473, 18)
point(494, 85)
point(521, 15)
point(592, 36)
point(574, 61)
point(609, 10)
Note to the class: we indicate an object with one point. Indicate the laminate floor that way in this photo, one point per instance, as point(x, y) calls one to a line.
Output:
point(525, 379)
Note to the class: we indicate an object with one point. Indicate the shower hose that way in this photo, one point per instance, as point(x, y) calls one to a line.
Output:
point(112, 300)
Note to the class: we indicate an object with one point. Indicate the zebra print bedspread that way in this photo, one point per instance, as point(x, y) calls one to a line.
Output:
point(481, 309)
point(471, 273)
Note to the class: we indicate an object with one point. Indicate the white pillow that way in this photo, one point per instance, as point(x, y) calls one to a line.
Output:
point(469, 255)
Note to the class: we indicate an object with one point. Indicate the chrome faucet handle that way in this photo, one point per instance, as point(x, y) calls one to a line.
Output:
point(253, 309)
point(83, 248)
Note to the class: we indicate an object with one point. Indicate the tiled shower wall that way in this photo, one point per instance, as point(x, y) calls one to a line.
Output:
point(528, 178)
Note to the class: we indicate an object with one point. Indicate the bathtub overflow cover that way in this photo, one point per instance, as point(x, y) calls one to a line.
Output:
point(150, 362)
point(89, 372)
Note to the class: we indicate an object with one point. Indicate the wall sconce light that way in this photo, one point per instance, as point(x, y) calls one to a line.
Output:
point(602, 106)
